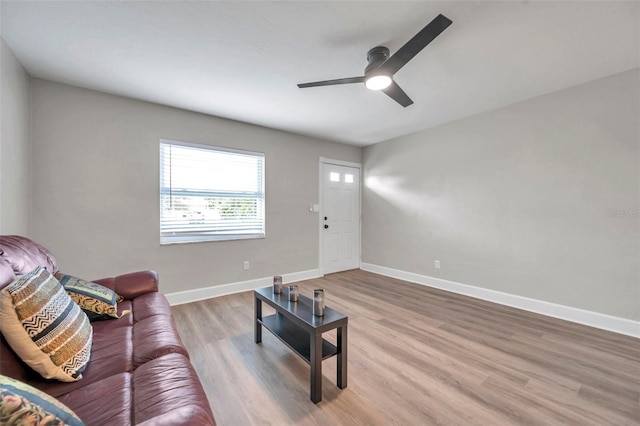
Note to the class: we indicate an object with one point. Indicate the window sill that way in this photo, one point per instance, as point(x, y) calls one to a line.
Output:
point(187, 239)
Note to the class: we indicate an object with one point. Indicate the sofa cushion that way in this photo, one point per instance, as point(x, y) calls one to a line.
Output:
point(25, 255)
point(154, 337)
point(150, 304)
point(21, 404)
point(188, 415)
point(47, 330)
point(111, 354)
point(10, 363)
point(167, 391)
point(97, 301)
point(103, 403)
point(123, 321)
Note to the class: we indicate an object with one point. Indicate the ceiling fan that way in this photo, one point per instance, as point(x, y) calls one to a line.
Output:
point(378, 75)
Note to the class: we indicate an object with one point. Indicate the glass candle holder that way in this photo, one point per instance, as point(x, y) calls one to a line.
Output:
point(318, 302)
point(277, 284)
point(293, 293)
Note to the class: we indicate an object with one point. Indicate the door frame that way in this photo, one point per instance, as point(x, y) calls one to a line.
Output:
point(358, 166)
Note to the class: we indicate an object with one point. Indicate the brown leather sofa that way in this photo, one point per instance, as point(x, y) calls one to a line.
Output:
point(139, 372)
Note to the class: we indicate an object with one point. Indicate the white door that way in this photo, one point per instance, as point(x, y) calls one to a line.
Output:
point(340, 218)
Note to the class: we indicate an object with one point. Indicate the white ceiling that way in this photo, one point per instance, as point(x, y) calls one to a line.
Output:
point(242, 60)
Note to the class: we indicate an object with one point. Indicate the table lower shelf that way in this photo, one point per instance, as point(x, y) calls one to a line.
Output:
point(295, 337)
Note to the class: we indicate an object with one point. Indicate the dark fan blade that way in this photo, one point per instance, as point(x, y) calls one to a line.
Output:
point(415, 45)
point(397, 94)
point(333, 82)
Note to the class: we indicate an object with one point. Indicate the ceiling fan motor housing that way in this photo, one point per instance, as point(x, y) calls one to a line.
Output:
point(376, 57)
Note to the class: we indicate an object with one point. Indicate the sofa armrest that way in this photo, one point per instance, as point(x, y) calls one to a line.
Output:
point(133, 284)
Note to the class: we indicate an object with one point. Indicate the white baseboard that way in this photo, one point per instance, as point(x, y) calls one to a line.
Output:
point(187, 296)
point(580, 316)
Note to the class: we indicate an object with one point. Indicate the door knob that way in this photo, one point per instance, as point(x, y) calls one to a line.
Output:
point(326, 227)
point(325, 218)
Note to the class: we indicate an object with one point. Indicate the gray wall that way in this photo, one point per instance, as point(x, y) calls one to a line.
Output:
point(15, 145)
point(538, 199)
point(96, 190)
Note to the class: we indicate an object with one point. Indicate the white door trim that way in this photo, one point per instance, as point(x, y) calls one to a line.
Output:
point(358, 166)
point(324, 160)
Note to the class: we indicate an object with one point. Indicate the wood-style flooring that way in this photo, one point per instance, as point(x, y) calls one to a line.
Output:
point(417, 356)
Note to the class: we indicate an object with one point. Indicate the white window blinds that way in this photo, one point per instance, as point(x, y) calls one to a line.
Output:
point(210, 193)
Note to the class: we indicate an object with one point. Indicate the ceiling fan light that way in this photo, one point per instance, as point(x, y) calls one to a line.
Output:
point(378, 82)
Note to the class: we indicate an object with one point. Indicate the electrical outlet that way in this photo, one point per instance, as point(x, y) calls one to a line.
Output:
point(246, 265)
point(437, 264)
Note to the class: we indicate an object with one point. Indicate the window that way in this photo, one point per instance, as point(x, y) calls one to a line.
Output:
point(209, 193)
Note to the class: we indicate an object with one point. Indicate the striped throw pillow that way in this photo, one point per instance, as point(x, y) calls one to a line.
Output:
point(47, 330)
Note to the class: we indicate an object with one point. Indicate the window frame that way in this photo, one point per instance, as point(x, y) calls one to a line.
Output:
point(210, 235)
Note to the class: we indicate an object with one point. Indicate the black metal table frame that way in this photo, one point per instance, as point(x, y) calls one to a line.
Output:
point(296, 326)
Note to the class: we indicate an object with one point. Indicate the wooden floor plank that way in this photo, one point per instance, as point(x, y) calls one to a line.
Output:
point(417, 355)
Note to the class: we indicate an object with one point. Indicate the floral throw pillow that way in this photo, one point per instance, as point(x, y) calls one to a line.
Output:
point(21, 404)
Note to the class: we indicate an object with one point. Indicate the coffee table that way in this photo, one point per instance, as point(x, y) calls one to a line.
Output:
point(296, 326)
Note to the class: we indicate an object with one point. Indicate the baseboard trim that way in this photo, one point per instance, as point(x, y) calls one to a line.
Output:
point(580, 316)
point(188, 296)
